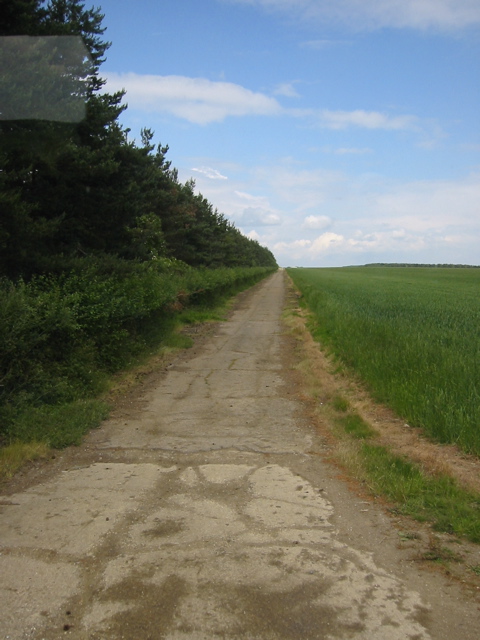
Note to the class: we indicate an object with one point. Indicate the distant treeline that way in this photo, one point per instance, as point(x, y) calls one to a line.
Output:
point(415, 264)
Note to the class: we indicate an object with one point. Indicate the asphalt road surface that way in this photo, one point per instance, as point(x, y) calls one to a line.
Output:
point(205, 509)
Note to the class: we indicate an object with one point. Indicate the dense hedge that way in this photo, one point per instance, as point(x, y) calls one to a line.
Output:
point(61, 336)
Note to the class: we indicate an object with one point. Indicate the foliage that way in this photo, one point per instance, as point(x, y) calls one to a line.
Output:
point(62, 425)
point(63, 335)
point(412, 336)
point(101, 246)
point(436, 499)
point(354, 425)
point(71, 190)
point(15, 455)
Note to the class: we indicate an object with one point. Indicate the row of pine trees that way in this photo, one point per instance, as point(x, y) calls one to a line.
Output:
point(83, 190)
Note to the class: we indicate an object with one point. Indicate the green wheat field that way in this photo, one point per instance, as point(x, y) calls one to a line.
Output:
point(412, 334)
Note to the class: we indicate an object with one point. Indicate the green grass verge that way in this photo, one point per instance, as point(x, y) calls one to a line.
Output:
point(436, 499)
point(62, 425)
point(411, 334)
point(15, 455)
point(355, 426)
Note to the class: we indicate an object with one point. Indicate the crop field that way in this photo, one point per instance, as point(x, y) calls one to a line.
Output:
point(412, 334)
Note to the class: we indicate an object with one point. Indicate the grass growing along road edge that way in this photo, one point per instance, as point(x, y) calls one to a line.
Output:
point(411, 335)
point(411, 490)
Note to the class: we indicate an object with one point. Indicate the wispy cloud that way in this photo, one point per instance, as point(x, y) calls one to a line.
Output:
point(197, 100)
point(326, 242)
point(322, 217)
point(470, 146)
point(201, 101)
point(366, 120)
point(286, 89)
point(257, 213)
point(359, 118)
point(259, 217)
point(303, 191)
point(250, 197)
point(432, 204)
point(316, 222)
point(358, 247)
point(208, 172)
point(376, 14)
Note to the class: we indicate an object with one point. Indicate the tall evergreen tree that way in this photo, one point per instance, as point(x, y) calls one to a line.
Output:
point(70, 190)
point(54, 174)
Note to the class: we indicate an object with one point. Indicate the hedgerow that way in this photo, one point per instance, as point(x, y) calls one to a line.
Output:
point(62, 336)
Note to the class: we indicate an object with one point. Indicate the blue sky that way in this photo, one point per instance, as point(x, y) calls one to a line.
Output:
point(333, 132)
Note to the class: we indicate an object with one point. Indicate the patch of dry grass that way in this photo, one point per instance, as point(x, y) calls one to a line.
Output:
point(15, 455)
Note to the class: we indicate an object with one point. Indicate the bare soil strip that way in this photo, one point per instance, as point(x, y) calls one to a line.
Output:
point(206, 507)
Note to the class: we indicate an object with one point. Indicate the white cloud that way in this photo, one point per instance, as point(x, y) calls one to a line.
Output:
point(248, 196)
point(342, 151)
point(367, 120)
point(202, 101)
point(382, 241)
point(453, 239)
point(301, 243)
point(213, 174)
point(326, 242)
point(303, 191)
point(286, 89)
point(357, 243)
point(257, 216)
point(316, 217)
point(377, 14)
point(316, 222)
point(197, 100)
point(341, 120)
point(258, 213)
point(431, 204)
point(292, 247)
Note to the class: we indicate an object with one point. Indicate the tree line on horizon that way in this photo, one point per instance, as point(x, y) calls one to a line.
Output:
point(71, 191)
point(423, 265)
